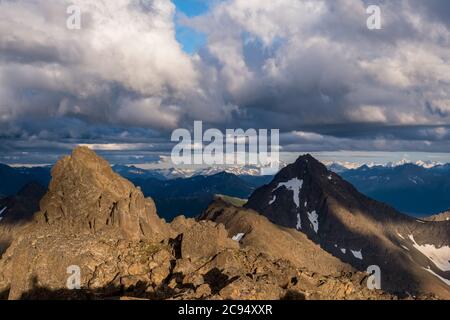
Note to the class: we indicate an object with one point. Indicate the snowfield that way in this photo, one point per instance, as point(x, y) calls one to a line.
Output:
point(294, 185)
point(400, 236)
point(1, 212)
point(447, 282)
point(439, 256)
point(357, 254)
point(314, 219)
point(299, 222)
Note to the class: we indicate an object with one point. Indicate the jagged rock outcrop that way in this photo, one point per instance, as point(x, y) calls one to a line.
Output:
point(86, 195)
point(92, 218)
point(442, 217)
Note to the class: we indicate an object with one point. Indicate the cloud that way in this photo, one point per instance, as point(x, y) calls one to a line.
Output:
point(319, 65)
point(124, 55)
point(309, 68)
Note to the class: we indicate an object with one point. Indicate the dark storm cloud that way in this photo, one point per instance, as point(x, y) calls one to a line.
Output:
point(435, 9)
point(320, 70)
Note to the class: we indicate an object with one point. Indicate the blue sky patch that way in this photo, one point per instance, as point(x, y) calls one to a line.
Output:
point(191, 8)
point(190, 39)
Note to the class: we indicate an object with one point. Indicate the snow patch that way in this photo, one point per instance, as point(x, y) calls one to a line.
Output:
point(400, 236)
point(357, 254)
point(299, 222)
point(343, 250)
point(420, 221)
point(439, 256)
point(1, 212)
point(447, 282)
point(294, 185)
point(314, 219)
point(273, 200)
point(238, 237)
point(405, 247)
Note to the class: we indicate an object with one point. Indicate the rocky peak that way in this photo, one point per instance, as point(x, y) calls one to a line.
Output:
point(442, 217)
point(306, 167)
point(85, 195)
point(309, 161)
point(358, 230)
point(293, 191)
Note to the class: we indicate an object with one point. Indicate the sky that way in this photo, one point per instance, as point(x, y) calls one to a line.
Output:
point(138, 69)
point(190, 39)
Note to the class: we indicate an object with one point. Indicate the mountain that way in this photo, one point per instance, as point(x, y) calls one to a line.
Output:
point(133, 173)
point(14, 179)
point(23, 205)
point(184, 173)
point(409, 188)
point(15, 211)
point(254, 230)
point(439, 217)
point(191, 196)
point(109, 201)
point(393, 183)
point(338, 166)
point(322, 275)
point(413, 255)
point(94, 222)
point(424, 164)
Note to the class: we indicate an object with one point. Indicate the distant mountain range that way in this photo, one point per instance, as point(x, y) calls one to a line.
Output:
point(410, 188)
point(133, 172)
point(418, 189)
point(189, 195)
point(12, 180)
point(339, 166)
